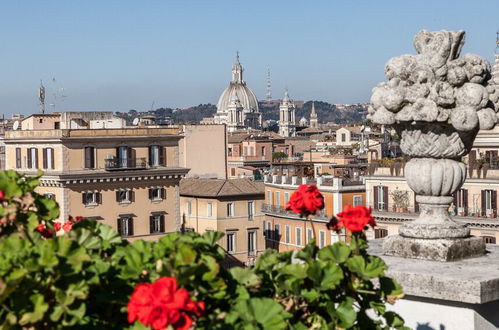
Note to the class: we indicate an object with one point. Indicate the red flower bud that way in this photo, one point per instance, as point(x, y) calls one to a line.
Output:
point(57, 226)
point(2, 195)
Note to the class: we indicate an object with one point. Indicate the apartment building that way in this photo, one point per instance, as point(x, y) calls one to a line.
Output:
point(253, 151)
point(126, 177)
point(233, 207)
point(475, 204)
point(285, 230)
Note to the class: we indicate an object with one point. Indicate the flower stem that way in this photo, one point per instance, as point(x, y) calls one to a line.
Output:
point(309, 217)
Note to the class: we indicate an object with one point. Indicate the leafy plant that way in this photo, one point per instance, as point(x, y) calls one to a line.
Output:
point(84, 278)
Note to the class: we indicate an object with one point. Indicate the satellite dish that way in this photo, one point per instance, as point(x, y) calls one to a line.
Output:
point(15, 127)
point(135, 121)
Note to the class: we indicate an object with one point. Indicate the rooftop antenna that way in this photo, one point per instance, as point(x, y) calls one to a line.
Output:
point(497, 42)
point(269, 86)
point(41, 97)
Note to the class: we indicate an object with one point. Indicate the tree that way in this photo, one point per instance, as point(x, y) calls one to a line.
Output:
point(279, 156)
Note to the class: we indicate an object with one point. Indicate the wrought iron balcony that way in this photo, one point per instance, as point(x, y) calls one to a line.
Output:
point(113, 164)
point(280, 210)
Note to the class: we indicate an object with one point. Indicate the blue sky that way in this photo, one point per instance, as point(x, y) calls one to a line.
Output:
point(121, 55)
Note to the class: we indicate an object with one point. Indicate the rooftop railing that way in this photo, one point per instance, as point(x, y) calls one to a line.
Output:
point(115, 163)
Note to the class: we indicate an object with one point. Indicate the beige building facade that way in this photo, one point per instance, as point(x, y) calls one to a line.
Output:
point(233, 207)
point(127, 178)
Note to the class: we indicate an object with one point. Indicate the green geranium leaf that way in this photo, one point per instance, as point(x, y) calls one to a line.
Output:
point(39, 309)
point(393, 319)
point(245, 276)
point(264, 312)
point(346, 313)
point(338, 252)
point(373, 268)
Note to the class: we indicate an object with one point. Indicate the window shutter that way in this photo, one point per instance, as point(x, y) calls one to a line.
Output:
point(162, 156)
point(150, 155)
point(18, 157)
point(36, 157)
point(130, 226)
point(119, 227)
point(151, 226)
point(118, 152)
point(132, 195)
point(44, 150)
point(29, 158)
point(118, 195)
point(375, 197)
point(465, 201)
point(163, 193)
point(162, 223)
point(484, 203)
point(98, 197)
point(385, 197)
point(87, 157)
point(52, 158)
point(131, 157)
point(494, 201)
point(83, 198)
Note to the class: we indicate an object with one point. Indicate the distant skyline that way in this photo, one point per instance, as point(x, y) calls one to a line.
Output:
point(119, 55)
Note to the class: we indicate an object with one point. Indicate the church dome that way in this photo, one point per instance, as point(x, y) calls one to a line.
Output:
point(238, 88)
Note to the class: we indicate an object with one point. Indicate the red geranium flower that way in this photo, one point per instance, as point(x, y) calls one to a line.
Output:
point(57, 226)
point(44, 231)
point(306, 200)
point(161, 303)
point(353, 218)
point(67, 226)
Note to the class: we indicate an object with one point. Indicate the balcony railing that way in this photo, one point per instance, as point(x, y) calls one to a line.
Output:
point(115, 163)
point(280, 210)
point(458, 212)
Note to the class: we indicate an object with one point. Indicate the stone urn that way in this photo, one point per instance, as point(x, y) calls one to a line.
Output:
point(436, 101)
point(434, 173)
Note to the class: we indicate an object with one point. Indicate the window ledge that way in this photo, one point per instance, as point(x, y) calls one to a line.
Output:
point(91, 205)
point(124, 202)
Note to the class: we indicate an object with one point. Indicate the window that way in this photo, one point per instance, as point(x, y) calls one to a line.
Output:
point(251, 243)
point(269, 198)
point(157, 193)
point(231, 242)
point(18, 157)
point(322, 238)
point(335, 237)
point(32, 158)
point(156, 155)
point(357, 200)
point(263, 151)
point(277, 199)
point(123, 154)
point(232, 171)
point(269, 230)
point(157, 223)
point(230, 210)
point(124, 195)
point(188, 207)
point(209, 209)
point(91, 198)
point(251, 210)
point(380, 233)
point(343, 137)
point(125, 226)
point(380, 198)
point(277, 232)
point(286, 198)
point(57, 125)
point(489, 239)
point(48, 158)
point(287, 234)
point(298, 236)
point(310, 234)
point(89, 157)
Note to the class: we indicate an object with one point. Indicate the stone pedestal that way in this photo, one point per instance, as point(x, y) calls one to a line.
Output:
point(461, 295)
point(440, 249)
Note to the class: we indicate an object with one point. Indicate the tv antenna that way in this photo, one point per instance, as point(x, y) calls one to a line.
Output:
point(269, 86)
point(497, 41)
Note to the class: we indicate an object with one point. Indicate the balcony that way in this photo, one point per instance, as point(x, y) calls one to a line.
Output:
point(116, 164)
point(280, 210)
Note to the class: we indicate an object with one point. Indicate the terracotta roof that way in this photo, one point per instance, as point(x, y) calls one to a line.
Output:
point(236, 138)
point(220, 188)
